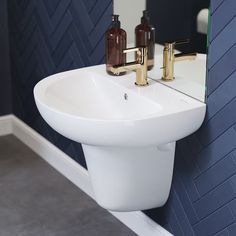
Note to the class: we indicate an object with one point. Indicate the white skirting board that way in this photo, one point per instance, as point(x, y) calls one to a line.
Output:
point(5, 125)
point(137, 221)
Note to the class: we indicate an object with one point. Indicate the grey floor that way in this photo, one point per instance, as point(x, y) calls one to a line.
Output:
point(37, 200)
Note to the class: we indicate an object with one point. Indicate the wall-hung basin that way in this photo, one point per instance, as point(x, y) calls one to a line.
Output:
point(128, 133)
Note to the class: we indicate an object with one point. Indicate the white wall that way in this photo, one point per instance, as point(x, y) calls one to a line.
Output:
point(130, 12)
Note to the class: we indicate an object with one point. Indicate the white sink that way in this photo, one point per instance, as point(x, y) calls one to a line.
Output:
point(127, 133)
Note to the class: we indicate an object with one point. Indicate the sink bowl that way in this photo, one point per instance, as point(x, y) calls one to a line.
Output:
point(110, 111)
point(128, 133)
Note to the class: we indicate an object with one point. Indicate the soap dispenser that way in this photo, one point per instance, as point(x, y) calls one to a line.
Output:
point(115, 44)
point(145, 37)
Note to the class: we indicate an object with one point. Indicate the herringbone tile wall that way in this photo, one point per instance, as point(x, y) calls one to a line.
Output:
point(203, 196)
point(49, 36)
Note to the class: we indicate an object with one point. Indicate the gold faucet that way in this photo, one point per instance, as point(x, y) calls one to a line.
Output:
point(169, 58)
point(140, 65)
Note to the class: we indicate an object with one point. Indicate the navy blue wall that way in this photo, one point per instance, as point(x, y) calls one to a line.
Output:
point(5, 76)
point(203, 195)
point(47, 37)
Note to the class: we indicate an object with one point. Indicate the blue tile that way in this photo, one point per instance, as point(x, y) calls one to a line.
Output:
point(214, 223)
point(80, 29)
point(30, 29)
point(215, 199)
point(220, 19)
point(187, 175)
point(215, 4)
point(224, 232)
point(216, 175)
point(234, 155)
point(224, 41)
point(67, 62)
point(26, 23)
point(190, 188)
point(84, 21)
point(43, 18)
point(188, 159)
point(233, 207)
point(61, 9)
point(223, 120)
point(183, 197)
point(98, 11)
point(51, 6)
point(222, 146)
point(61, 31)
point(233, 183)
point(77, 56)
point(194, 142)
point(232, 229)
point(222, 96)
point(62, 48)
point(84, 47)
point(105, 23)
point(90, 4)
point(174, 224)
point(28, 12)
point(44, 55)
point(96, 55)
point(221, 71)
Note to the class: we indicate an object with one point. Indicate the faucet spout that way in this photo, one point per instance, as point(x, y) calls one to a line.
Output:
point(140, 65)
point(169, 58)
point(130, 66)
point(183, 56)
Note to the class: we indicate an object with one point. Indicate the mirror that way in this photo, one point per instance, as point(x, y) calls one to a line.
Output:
point(173, 21)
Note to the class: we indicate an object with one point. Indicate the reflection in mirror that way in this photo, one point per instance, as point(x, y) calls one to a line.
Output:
point(178, 20)
point(173, 21)
point(130, 12)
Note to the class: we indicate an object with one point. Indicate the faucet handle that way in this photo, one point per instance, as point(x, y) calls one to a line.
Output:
point(183, 41)
point(134, 49)
point(141, 53)
point(171, 46)
point(184, 56)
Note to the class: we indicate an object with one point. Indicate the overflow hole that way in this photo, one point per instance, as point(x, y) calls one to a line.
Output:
point(126, 96)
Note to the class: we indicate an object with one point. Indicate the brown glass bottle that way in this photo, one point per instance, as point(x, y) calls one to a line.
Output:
point(115, 44)
point(145, 37)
